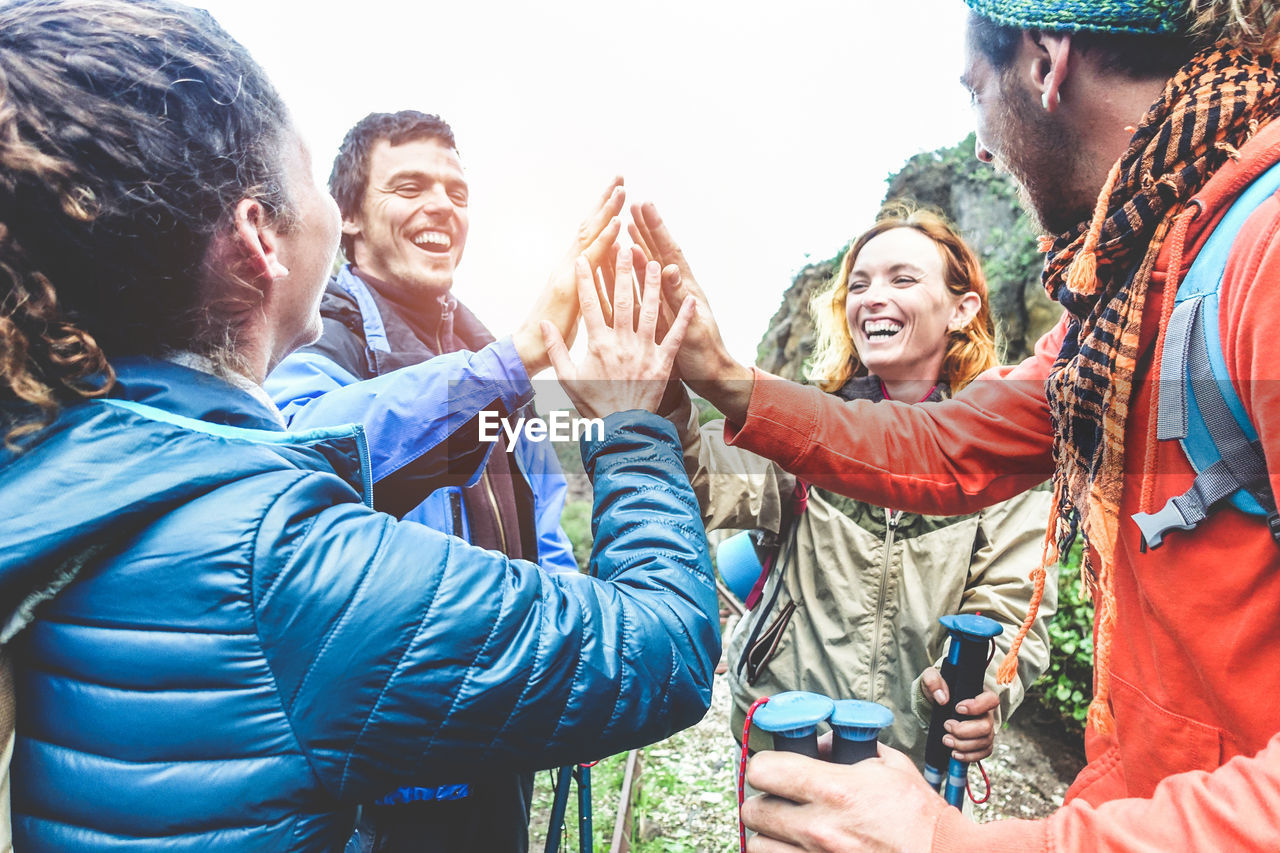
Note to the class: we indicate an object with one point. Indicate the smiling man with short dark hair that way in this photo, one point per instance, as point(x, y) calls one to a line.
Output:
point(401, 355)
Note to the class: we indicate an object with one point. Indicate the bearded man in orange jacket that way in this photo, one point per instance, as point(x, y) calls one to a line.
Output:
point(1131, 126)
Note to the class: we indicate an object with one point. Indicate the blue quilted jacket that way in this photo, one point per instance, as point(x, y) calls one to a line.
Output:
point(235, 649)
point(408, 397)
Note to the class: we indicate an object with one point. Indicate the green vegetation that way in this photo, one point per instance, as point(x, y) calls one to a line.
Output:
point(1067, 686)
point(576, 521)
point(606, 783)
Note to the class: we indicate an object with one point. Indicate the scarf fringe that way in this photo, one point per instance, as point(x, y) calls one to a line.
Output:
point(1048, 559)
point(1101, 275)
point(1082, 277)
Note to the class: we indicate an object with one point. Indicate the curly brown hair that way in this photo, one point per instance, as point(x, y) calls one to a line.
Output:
point(128, 132)
point(970, 350)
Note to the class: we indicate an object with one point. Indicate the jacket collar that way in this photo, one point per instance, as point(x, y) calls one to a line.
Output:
point(870, 387)
point(178, 395)
point(390, 338)
point(182, 389)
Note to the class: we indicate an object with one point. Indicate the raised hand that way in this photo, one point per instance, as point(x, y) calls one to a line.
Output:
point(704, 362)
point(625, 367)
point(558, 302)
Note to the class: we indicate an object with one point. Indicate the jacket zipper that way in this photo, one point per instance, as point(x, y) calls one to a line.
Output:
point(366, 466)
point(891, 519)
point(455, 504)
point(445, 313)
point(497, 515)
point(764, 607)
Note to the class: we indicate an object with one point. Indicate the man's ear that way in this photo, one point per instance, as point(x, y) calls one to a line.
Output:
point(964, 312)
point(1050, 65)
point(350, 227)
point(255, 244)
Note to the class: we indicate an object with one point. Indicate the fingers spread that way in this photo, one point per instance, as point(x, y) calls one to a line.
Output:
point(639, 232)
point(604, 283)
point(660, 238)
point(674, 289)
point(679, 326)
point(639, 260)
point(623, 292)
point(650, 302)
point(608, 191)
point(599, 250)
point(588, 301)
point(609, 206)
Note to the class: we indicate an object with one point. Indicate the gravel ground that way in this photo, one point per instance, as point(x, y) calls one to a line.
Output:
point(689, 786)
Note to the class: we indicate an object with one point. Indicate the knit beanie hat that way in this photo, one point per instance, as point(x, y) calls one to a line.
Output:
point(1167, 17)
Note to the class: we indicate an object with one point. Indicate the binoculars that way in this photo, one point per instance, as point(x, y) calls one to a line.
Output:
point(793, 717)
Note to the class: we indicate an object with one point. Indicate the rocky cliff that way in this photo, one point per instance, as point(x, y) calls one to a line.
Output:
point(983, 203)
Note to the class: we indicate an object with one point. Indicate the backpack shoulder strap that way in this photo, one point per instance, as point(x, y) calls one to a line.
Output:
point(1198, 405)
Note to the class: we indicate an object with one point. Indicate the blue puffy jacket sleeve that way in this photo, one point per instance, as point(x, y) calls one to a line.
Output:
point(411, 413)
point(422, 423)
point(547, 481)
point(436, 656)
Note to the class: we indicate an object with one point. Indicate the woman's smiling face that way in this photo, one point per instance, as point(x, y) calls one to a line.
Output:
point(898, 306)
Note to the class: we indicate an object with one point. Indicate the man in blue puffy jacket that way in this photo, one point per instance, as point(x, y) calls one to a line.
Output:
point(401, 355)
point(218, 642)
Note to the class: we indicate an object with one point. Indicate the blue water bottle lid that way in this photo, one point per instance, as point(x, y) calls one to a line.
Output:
point(857, 719)
point(795, 713)
point(973, 625)
point(738, 563)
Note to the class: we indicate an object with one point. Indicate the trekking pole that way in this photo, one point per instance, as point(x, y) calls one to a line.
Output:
point(963, 671)
point(580, 773)
point(583, 772)
point(792, 718)
point(856, 725)
point(559, 805)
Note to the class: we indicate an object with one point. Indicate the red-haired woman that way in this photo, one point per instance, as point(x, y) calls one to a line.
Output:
point(851, 607)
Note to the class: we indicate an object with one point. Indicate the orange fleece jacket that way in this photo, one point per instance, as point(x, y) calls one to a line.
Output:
point(1194, 763)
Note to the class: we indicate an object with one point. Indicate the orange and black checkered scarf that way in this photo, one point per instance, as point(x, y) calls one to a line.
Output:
point(1100, 273)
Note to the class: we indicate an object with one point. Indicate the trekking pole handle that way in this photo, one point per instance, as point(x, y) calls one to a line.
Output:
point(963, 670)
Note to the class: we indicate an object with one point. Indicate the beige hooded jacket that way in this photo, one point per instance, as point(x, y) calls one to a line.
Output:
point(851, 608)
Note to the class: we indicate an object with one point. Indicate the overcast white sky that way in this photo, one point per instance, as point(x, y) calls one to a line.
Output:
point(763, 135)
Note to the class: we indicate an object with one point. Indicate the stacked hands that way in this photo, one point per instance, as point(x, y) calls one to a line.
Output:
point(806, 804)
point(671, 335)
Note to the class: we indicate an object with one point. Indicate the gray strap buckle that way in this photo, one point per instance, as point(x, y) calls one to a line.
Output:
point(1154, 525)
